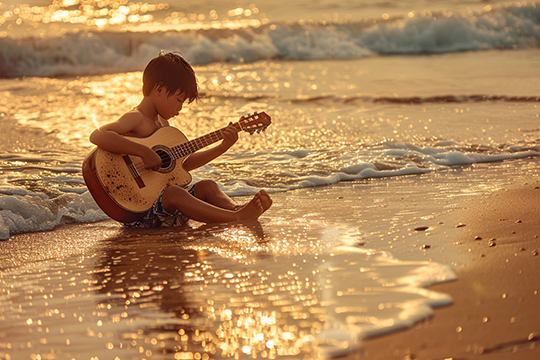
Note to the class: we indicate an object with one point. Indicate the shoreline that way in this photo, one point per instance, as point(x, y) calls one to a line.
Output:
point(495, 296)
point(494, 314)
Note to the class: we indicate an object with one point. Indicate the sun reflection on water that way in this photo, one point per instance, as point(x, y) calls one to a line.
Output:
point(86, 12)
point(212, 292)
point(102, 14)
point(247, 324)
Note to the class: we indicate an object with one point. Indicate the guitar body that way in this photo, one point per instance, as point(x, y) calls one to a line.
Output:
point(120, 184)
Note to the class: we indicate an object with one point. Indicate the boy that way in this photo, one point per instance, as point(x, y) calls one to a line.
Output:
point(169, 81)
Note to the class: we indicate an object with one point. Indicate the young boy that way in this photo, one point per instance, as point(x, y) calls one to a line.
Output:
point(168, 82)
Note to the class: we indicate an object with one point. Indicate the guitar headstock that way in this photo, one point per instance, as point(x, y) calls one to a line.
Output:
point(255, 123)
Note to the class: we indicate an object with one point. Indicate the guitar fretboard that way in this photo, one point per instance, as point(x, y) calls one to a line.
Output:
point(194, 145)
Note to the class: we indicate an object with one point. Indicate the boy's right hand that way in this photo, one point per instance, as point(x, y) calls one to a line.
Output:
point(151, 160)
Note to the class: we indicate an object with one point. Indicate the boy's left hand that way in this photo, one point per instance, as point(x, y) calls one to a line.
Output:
point(230, 137)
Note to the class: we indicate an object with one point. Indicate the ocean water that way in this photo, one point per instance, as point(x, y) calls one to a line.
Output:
point(430, 101)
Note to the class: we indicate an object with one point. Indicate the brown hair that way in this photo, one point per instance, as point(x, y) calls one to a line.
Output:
point(172, 71)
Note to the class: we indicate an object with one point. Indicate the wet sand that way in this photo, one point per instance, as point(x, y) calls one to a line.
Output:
point(496, 298)
point(99, 268)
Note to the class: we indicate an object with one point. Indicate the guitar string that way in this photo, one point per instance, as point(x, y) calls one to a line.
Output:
point(189, 147)
point(185, 149)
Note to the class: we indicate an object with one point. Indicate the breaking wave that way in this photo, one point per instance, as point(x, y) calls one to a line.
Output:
point(513, 26)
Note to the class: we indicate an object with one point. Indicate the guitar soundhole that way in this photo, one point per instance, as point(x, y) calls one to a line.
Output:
point(167, 162)
point(165, 158)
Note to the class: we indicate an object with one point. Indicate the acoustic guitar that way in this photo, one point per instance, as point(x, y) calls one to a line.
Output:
point(125, 190)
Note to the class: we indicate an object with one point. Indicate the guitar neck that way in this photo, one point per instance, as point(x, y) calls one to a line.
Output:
point(194, 145)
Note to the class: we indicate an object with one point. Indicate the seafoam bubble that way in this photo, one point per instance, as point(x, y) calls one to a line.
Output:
point(28, 213)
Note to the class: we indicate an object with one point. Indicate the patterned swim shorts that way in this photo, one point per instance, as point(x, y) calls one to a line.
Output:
point(157, 215)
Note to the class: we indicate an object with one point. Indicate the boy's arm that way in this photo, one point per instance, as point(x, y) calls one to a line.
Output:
point(203, 157)
point(111, 137)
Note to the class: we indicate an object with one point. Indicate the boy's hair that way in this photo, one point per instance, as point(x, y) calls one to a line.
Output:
point(172, 71)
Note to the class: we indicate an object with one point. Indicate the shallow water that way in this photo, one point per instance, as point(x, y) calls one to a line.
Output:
point(385, 118)
point(221, 291)
point(310, 280)
point(333, 121)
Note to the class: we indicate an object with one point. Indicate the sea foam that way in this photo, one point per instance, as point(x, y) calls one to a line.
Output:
point(64, 199)
point(30, 212)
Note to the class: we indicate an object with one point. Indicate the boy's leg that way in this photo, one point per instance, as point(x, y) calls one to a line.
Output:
point(209, 191)
point(177, 198)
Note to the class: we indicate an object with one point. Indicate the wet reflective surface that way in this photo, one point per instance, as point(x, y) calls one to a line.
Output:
point(393, 143)
point(301, 288)
point(324, 269)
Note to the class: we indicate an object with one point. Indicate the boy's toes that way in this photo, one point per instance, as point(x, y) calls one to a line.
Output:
point(265, 199)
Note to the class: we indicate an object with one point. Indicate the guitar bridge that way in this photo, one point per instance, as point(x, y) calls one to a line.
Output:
point(134, 172)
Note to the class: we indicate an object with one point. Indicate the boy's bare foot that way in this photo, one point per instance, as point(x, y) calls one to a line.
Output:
point(256, 207)
point(266, 201)
point(252, 210)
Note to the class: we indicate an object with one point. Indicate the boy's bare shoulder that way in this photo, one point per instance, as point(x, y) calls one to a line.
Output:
point(133, 116)
point(135, 124)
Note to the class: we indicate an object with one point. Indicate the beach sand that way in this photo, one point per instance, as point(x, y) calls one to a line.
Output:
point(496, 298)
point(494, 314)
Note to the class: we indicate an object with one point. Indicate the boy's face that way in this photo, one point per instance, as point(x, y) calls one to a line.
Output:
point(169, 106)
